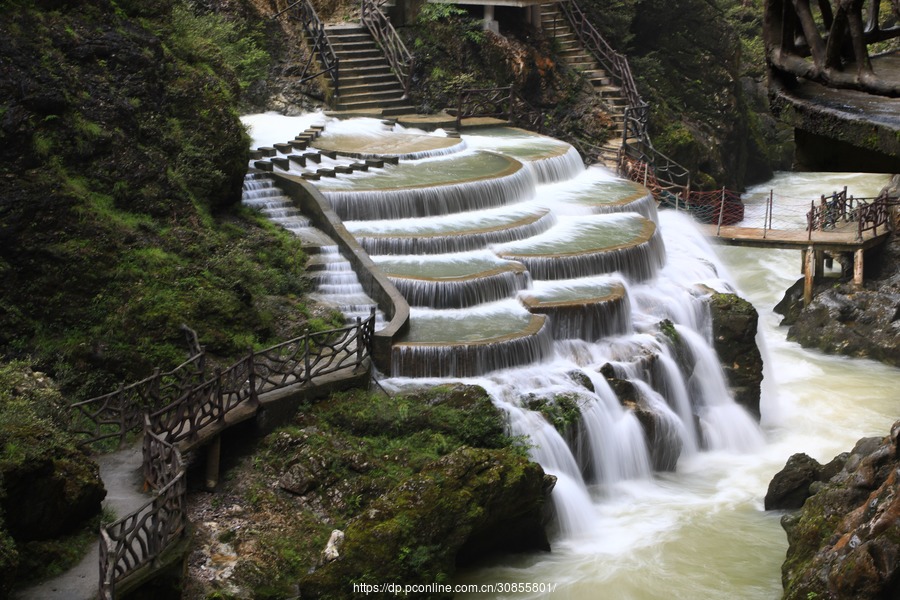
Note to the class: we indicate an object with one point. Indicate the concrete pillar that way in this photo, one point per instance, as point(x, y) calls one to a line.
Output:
point(858, 267)
point(213, 458)
point(809, 271)
point(489, 23)
point(820, 263)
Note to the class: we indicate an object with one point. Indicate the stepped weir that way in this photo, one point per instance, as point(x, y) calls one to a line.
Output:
point(549, 284)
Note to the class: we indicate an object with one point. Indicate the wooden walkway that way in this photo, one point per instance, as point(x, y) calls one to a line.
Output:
point(844, 238)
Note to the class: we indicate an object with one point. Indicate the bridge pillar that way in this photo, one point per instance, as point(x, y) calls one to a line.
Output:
point(809, 274)
point(858, 267)
point(213, 458)
point(820, 263)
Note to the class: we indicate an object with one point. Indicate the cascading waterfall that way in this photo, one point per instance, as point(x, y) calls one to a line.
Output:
point(574, 230)
point(510, 183)
point(420, 236)
point(725, 425)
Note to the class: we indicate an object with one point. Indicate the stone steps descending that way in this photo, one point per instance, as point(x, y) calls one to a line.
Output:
point(554, 22)
point(366, 80)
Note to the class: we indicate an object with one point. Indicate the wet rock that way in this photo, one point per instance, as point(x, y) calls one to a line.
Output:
point(468, 503)
point(789, 489)
point(845, 541)
point(734, 322)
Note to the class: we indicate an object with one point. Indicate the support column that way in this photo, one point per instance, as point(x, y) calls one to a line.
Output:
point(858, 267)
point(213, 458)
point(809, 270)
point(489, 23)
point(820, 263)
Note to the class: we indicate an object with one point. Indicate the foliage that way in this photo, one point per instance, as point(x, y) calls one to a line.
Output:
point(123, 171)
point(208, 37)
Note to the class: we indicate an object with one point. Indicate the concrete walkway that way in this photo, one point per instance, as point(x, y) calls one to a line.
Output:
point(122, 476)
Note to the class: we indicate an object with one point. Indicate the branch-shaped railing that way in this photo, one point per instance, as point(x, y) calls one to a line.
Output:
point(186, 399)
point(868, 213)
point(187, 407)
point(386, 36)
point(118, 413)
point(139, 539)
point(499, 103)
point(319, 46)
point(821, 40)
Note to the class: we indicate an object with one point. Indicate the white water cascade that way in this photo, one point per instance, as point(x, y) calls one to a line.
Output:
point(622, 530)
point(701, 531)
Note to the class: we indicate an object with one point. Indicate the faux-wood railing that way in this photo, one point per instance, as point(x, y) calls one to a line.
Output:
point(174, 406)
point(867, 213)
point(140, 538)
point(499, 103)
point(386, 36)
point(319, 46)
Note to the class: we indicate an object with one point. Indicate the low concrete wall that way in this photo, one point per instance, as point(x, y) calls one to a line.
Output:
point(377, 285)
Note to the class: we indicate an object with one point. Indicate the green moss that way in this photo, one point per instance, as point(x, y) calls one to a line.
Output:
point(561, 410)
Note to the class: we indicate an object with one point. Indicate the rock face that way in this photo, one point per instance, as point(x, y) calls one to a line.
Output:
point(47, 497)
point(734, 322)
point(845, 541)
point(791, 486)
point(416, 533)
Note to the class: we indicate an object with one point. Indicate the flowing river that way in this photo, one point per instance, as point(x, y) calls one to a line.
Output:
point(701, 532)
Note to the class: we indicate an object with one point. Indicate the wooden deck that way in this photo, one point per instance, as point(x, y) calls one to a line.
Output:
point(842, 239)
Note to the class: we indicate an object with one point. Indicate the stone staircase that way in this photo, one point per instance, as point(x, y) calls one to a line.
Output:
point(367, 84)
point(554, 23)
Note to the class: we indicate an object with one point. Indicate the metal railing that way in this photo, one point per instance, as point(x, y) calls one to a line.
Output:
point(379, 25)
point(319, 46)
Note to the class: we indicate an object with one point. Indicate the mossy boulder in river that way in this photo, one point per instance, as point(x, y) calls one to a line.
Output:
point(845, 541)
point(469, 501)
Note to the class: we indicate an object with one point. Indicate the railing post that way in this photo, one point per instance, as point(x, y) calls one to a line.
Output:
point(220, 400)
point(721, 211)
point(811, 218)
point(153, 543)
point(123, 418)
point(251, 378)
point(360, 339)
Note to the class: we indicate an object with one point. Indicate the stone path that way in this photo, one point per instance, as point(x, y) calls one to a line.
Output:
point(122, 476)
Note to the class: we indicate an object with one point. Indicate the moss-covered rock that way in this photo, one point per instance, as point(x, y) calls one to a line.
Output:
point(49, 485)
point(412, 534)
point(734, 323)
point(845, 541)
point(341, 460)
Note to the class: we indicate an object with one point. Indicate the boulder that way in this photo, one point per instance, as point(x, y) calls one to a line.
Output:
point(734, 324)
point(789, 489)
point(845, 541)
point(468, 503)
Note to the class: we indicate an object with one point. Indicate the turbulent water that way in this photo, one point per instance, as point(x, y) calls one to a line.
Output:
point(701, 532)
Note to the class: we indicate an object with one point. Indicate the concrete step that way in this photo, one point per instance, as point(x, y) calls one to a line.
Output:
point(382, 103)
point(352, 62)
point(385, 85)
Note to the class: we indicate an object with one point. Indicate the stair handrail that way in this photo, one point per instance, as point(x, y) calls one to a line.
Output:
point(379, 25)
point(593, 41)
point(314, 30)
